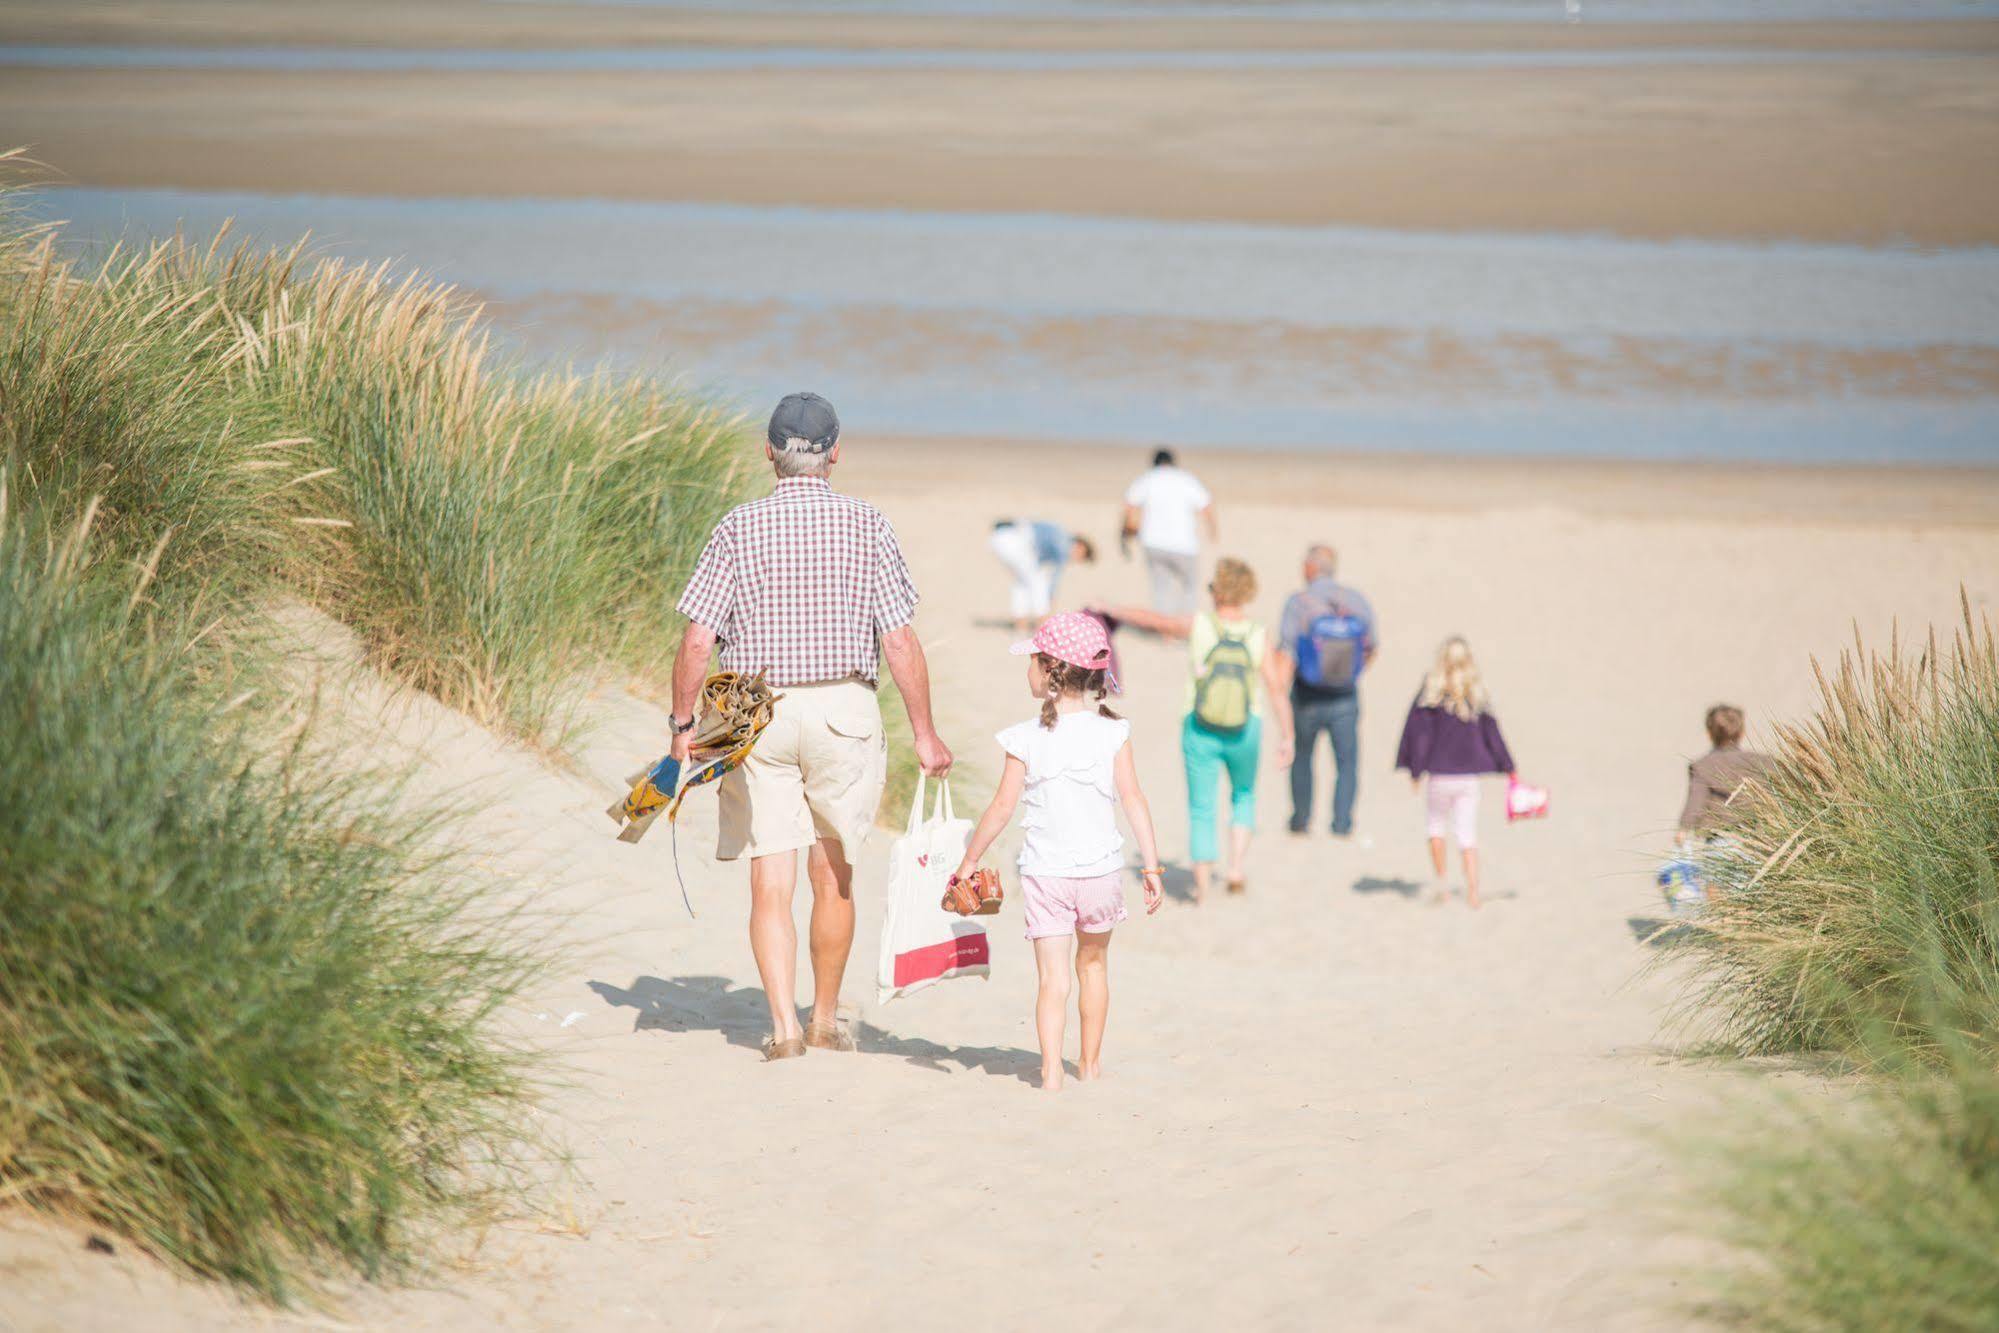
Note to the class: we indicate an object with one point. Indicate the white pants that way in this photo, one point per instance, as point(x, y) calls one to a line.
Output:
point(1033, 580)
point(1453, 807)
point(1173, 576)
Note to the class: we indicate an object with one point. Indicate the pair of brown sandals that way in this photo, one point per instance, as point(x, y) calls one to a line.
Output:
point(977, 894)
point(818, 1036)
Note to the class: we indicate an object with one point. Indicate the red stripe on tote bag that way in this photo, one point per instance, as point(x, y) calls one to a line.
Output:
point(941, 960)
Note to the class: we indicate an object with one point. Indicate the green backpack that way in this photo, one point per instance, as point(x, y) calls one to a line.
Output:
point(1227, 686)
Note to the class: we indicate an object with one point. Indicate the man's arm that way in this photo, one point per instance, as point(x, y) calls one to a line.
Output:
point(1208, 522)
point(911, 673)
point(690, 669)
point(1127, 528)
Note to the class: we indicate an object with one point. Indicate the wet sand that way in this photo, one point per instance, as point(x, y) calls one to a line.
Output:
point(445, 23)
point(1880, 149)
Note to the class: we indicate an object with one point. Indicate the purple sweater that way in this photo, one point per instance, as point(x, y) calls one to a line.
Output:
point(1435, 741)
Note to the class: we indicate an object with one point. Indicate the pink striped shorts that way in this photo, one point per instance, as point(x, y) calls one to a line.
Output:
point(1054, 905)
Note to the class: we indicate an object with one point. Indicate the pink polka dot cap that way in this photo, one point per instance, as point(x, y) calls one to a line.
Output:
point(1072, 637)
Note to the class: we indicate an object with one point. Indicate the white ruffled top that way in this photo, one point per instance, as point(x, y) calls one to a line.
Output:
point(1069, 809)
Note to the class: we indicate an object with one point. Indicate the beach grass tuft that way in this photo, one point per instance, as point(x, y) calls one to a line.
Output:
point(1856, 907)
point(245, 1011)
point(247, 997)
point(1856, 912)
point(495, 535)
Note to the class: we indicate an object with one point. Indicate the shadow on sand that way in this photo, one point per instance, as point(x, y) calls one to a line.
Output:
point(1653, 931)
point(1178, 882)
point(740, 1014)
point(1407, 888)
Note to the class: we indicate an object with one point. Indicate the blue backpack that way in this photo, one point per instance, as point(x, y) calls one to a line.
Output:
point(1331, 650)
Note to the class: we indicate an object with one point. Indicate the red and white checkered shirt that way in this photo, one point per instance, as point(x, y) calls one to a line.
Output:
point(803, 583)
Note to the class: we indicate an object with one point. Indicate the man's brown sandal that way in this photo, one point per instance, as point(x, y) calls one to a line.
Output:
point(787, 1049)
point(828, 1037)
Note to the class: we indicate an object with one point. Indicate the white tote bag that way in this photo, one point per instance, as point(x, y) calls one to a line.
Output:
point(921, 942)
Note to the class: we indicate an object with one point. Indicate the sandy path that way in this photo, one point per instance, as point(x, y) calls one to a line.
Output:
point(1329, 1101)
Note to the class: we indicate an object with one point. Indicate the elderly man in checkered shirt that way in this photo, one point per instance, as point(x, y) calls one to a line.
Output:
point(804, 584)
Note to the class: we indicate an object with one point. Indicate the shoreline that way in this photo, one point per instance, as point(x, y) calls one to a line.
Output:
point(1863, 494)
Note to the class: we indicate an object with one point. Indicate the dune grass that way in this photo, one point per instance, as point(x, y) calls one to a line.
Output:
point(246, 1002)
point(1867, 1218)
point(1858, 910)
point(493, 535)
point(244, 1015)
point(1858, 914)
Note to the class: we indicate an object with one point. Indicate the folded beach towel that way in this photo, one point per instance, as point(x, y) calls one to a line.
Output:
point(735, 709)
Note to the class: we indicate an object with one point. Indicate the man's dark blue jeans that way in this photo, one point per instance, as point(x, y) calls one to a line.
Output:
point(1338, 716)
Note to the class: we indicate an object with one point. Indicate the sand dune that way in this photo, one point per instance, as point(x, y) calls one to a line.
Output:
point(1329, 1102)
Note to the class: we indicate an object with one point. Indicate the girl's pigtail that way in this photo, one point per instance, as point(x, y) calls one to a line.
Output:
point(1048, 717)
point(1103, 693)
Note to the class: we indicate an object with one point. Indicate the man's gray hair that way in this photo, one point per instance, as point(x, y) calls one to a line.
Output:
point(798, 458)
point(1322, 561)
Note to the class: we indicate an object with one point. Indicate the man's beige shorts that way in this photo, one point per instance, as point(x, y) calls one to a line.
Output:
point(817, 771)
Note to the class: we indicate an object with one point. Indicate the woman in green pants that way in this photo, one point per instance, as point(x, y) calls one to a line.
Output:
point(1229, 656)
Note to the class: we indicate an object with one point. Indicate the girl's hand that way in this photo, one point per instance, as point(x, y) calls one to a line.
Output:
point(1283, 752)
point(1415, 785)
point(1155, 890)
point(964, 871)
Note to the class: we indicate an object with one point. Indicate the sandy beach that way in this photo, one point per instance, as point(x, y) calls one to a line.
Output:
point(1328, 1096)
point(1884, 144)
point(1333, 1102)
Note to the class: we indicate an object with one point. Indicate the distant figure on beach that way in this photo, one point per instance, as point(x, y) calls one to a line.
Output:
point(1325, 639)
point(1036, 553)
point(1713, 780)
point(809, 585)
point(1451, 739)
point(1228, 656)
point(1167, 509)
point(1071, 764)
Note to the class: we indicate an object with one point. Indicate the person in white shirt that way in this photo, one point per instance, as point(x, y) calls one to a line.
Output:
point(1069, 769)
point(1166, 509)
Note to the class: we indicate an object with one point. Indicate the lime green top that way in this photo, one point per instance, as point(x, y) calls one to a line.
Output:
point(1201, 641)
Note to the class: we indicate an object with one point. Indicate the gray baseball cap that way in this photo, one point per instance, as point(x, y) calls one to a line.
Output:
point(803, 421)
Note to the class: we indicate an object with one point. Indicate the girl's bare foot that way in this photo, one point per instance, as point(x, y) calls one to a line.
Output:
point(1089, 1073)
point(1051, 1078)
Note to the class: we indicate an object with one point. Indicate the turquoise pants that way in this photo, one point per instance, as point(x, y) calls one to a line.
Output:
point(1208, 754)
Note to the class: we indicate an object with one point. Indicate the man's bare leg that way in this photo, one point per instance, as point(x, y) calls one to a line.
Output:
point(774, 939)
point(832, 936)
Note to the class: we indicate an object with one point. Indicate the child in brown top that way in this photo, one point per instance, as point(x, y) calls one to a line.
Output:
point(1715, 777)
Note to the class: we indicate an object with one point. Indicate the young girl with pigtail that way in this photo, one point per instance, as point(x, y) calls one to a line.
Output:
point(1070, 767)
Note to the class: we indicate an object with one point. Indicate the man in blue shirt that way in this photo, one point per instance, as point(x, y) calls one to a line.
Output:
point(1326, 638)
point(1035, 553)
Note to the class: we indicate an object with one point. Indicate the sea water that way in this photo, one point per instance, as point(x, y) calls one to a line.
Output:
point(1212, 334)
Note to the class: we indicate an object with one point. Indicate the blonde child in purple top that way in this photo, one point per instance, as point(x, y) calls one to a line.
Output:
point(1452, 739)
point(1072, 767)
